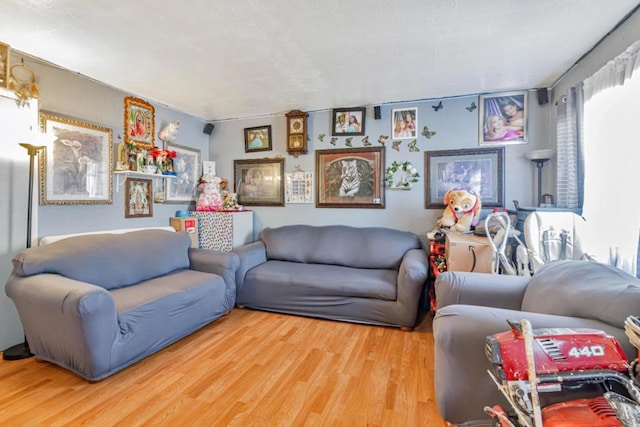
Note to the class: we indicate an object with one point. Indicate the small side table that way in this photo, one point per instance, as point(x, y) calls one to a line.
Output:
point(224, 230)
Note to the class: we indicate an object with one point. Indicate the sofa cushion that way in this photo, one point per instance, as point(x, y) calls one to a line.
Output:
point(585, 289)
point(367, 247)
point(325, 280)
point(109, 260)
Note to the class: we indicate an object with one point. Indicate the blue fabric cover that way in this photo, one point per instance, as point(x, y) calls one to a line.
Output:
point(110, 261)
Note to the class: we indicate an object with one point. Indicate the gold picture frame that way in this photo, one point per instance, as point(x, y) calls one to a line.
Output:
point(138, 123)
point(138, 198)
point(76, 167)
point(4, 64)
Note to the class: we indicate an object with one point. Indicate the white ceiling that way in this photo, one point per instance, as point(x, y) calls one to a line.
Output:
point(221, 59)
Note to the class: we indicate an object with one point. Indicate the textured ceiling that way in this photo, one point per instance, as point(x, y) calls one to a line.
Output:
point(220, 59)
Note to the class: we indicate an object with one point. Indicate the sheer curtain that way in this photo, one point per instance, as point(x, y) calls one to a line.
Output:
point(570, 150)
point(612, 160)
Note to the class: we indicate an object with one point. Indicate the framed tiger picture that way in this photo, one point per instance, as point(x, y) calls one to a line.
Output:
point(350, 178)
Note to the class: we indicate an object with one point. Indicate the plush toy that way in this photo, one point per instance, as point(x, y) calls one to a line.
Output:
point(210, 198)
point(462, 211)
point(169, 132)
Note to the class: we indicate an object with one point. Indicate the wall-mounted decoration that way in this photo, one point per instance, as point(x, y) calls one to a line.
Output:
point(347, 142)
point(259, 182)
point(257, 139)
point(503, 119)
point(186, 165)
point(400, 176)
point(138, 198)
point(382, 139)
point(480, 170)
point(426, 132)
point(321, 137)
point(76, 167)
point(333, 140)
point(297, 132)
point(348, 121)
point(365, 142)
point(350, 178)
point(396, 145)
point(412, 146)
point(404, 123)
point(4, 64)
point(22, 81)
point(138, 123)
point(437, 107)
point(299, 186)
point(471, 108)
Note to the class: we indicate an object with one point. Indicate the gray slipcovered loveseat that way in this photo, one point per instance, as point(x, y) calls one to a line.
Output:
point(95, 304)
point(370, 275)
point(471, 306)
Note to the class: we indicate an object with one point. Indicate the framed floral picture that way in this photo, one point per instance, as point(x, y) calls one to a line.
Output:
point(257, 139)
point(350, 178)
point(138, 123)
point(75, 169)
point(503, 119)
point(348, 121)
point(138, 198)
point(186, 166)
point(404, 123)
point(259, 182)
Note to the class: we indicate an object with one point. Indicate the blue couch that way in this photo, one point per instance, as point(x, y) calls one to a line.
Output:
point(95, 304)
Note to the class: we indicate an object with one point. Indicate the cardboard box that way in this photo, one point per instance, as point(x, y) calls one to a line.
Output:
point(190, 225)
point(468, 252)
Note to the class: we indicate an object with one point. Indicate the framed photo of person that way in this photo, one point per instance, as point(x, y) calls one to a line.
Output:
point(259, 182)
point(257, 139)
point(404, 123)
point(348, 121)
point(503, 119)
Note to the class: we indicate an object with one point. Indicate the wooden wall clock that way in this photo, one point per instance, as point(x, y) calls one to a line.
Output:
point(297, 132)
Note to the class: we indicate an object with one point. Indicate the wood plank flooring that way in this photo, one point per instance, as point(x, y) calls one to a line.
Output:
point(249, 368)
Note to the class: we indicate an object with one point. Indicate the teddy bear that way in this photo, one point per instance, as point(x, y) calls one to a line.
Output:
point(462, 211)
point(210, 198)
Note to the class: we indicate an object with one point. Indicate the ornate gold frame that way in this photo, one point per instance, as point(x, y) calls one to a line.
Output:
point(4, 64)
point(138, 123)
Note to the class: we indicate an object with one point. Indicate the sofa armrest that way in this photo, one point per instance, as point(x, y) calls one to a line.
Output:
point(223, 264)
point(251, 255)
point(484, 289)
point(65, 319)
point(412, 276)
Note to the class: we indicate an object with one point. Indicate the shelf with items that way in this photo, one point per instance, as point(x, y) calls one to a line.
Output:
point(121, 176)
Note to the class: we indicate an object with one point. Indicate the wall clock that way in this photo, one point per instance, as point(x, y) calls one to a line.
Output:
point(297, 132)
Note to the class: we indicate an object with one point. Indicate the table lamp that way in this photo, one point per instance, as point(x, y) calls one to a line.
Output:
point(539, 157)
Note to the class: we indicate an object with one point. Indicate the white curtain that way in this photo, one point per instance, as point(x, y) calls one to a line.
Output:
point(612, 150)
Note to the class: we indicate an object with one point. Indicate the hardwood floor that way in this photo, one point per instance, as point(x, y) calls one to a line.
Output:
point(249, 368)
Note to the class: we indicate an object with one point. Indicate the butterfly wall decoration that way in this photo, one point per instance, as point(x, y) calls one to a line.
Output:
point(412, 146)
point(437, 107)
point(396, 145)
point(365, 141)
point(348, 142)
point(382, 139)
point(428, 133)
point(321, 137)
point(333, 140)
point(471, 107)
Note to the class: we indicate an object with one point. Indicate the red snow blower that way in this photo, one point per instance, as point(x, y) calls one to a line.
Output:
point(526, 363)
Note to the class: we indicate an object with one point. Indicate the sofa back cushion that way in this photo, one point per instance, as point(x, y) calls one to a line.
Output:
point(109, 260)
point(367, 247)
point(585, 289)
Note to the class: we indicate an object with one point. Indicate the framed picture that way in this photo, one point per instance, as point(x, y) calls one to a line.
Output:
point(75, 169)
point(404, 123)
point(186, 165)
point(138, 198)
point(480, 170)
point(259, 182)
point(299, 187)
point(348, 121)
point(257, 139)
point(138, 123)
point(503, 119)
point(350, 178)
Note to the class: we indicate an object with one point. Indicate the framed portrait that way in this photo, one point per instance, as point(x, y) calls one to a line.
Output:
point(75, 169)
point(348, 121)
point(259, 182)
point(138, 198)
point(480, 170)
point(138, 123)
point(503, 119)
point(186, 165)
point(404, 123)
point(257, 139)
point(350, 178)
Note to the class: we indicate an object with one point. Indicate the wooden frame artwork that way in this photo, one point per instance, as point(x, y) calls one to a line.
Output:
point(350, 178)
point(186, 165)
point(503, 119)
point(479, 169)
point(257, 139)
point(348, 121)
point(138, 123)
point(259, 182)
point(76, 167)
point(138, 198)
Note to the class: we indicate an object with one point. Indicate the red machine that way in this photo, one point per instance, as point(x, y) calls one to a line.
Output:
point(526, 362)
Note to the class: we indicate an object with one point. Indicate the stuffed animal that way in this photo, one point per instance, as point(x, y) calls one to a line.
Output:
point(169, 132)
point(210, 199)
point(462, 211)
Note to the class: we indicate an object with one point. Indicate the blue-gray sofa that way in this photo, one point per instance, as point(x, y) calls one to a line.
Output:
point(370, 275)
point(95, 304)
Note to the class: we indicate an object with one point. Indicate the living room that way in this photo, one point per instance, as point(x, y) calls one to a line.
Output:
point(67, 92)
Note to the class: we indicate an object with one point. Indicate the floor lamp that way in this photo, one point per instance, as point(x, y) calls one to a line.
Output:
point(539, 157)
point(22, 351)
